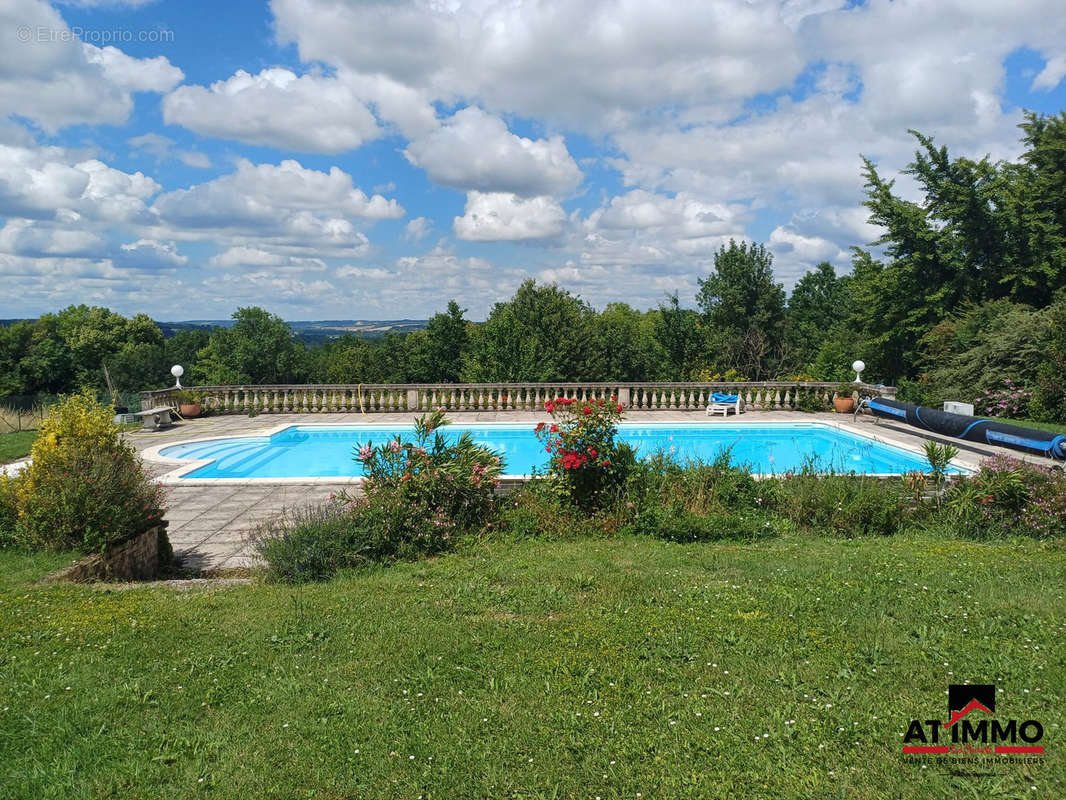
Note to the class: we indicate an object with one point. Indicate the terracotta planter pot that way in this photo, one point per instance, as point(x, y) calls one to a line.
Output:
point(189, 410)
point(844, 405)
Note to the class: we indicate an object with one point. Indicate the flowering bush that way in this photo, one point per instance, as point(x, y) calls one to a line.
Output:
point(1009, 496)
point(1011, 401)
point(416, 496)
point(85, 487)
point(454, 482)
point(584, 455)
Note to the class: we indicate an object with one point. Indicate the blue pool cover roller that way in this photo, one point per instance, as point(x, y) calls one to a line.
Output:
point(973, 429)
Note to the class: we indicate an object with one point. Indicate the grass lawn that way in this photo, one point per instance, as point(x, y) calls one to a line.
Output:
point(592, 668)
point(1054, 427)
point(14, 446)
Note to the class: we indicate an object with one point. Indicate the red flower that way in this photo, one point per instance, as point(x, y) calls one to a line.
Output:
point(587, 410)
point(618, 408)
point(592, 452)
point(606, 462)
point(549, 407)
point(601, 401)
point(554, 428)
point(540, 427)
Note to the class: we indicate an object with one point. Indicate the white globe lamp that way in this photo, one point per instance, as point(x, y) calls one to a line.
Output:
point(177, 371)
point(858, 366)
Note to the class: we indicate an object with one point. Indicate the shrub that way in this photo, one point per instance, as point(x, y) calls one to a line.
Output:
point(585, 458)
point(981, 347)
point(85, 487)
point(8, 512)
point(1049, 400)
point(456, 480)
point(304, 544)
point(843, 505)
point(416, 496)
point(536, 512)
point(1009, 497)
point(701, 488)
point(812, 402)
point(1010, 400)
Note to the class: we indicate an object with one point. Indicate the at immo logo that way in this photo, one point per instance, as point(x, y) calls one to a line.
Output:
point(972, 727)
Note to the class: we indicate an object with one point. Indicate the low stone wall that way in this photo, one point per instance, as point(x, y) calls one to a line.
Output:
point(451, 397)
point(137, 559)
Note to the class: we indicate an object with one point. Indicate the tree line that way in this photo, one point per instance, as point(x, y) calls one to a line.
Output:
point(964, 289)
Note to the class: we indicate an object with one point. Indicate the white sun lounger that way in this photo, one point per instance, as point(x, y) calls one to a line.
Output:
point(725, 404)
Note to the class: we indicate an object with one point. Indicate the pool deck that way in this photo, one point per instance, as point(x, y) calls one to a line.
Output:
point(210, 524)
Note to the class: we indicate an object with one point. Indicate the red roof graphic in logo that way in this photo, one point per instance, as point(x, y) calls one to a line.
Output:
point(973, 705)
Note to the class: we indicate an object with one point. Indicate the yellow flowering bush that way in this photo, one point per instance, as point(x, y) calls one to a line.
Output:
point(85, 488)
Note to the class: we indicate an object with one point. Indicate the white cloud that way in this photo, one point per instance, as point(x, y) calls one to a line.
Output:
point(42, 183)
point(1052, 73)
point(417, 229)
point(134, 74)
point(245, 256)
point(474, 151)
point(149, 254)
point(56, 80)
point(595, 62)
point(284, 205)
point(36, 240)
point(499, 216)
point(277, 108)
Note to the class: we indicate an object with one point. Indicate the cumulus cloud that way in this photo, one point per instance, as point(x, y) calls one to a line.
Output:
point(56, 80)
point(149, 254)
point(277, 108)
point(417, 229)
point(134, 74)
point(1052, 73)
point(501, 216)
point(285, 205)
point(245, 256)
point(38, 240)
point(474, 151)
point(594, 62)
point(43, 183)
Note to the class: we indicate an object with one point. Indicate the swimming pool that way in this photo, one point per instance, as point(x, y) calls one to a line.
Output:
point(325, 451)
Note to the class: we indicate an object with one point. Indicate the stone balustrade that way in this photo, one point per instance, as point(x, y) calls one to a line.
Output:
point(378, 397)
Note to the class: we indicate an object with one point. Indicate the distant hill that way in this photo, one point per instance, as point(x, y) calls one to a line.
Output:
point(314, 330)
point(309, 331)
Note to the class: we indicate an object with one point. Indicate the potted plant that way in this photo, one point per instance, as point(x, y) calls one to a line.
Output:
point(189, 403)
point(843, 401)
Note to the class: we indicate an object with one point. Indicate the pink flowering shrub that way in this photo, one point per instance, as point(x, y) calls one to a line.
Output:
point(585, 458)
point(417, 495)
point(1012, 401)
point(1011, 497)
point(422, 491)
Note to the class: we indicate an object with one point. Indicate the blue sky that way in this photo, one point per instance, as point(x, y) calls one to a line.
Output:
point(333, 159)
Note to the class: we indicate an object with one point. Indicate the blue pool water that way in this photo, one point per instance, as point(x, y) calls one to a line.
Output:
point(327, 451)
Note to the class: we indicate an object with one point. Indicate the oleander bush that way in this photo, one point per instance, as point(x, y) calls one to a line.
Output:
point(85, 487)
point(1009, 497)
point(416, 496)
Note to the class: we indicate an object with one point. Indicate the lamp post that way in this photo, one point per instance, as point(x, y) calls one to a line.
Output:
point(858, 366)
point(177, 371)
